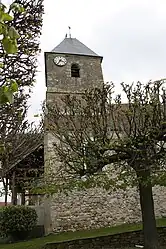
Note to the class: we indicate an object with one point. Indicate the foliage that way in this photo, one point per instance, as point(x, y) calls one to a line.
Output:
point(9, 36)
point(20, 27)
point(17, 221)
point(9, 33)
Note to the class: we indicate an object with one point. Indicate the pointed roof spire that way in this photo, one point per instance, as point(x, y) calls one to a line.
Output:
point(73, 46)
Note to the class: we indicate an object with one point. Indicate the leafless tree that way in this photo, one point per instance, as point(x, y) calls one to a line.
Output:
point(95, 130)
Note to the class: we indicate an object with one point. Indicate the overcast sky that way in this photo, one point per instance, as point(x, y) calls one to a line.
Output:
point(129, 34)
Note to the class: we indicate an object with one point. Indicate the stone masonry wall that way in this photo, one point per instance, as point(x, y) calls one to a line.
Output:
point(96, 208)
point(59, 79)
point(121, 240)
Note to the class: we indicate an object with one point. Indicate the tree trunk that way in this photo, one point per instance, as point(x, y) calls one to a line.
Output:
point(23, 198)
point(147, 209)
point(14, 190)
point(6, 191)
point(5, 186)
point(5, 198)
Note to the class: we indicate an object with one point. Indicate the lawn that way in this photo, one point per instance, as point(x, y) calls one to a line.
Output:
point(38, 243)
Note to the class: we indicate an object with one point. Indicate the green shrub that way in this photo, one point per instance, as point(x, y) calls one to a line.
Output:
point(17, 221)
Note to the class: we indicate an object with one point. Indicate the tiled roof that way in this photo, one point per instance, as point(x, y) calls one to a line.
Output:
point(73, 46)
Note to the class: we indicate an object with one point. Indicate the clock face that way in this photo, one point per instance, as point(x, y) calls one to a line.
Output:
point(60, 61)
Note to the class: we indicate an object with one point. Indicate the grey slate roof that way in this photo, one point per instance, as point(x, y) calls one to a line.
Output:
point(73, 46)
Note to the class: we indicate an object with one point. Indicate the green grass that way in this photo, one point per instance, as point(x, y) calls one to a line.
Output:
point(38, 243)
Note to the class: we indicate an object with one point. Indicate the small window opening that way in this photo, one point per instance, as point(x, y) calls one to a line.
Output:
point(75, 71)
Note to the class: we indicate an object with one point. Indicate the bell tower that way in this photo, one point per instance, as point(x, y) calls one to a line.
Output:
point(71, 67)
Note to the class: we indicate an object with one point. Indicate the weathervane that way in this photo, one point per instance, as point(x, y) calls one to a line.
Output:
point(69, 31)
point(66, 36)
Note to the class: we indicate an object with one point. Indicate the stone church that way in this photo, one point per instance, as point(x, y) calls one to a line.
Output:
point(71, 67)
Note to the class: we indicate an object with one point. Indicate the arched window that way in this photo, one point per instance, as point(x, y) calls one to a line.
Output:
point(75, 71)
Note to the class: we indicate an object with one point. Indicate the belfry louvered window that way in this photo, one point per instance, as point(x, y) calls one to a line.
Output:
point(75, 71)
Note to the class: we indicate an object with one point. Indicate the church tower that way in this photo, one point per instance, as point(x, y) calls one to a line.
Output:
point(71, 67)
